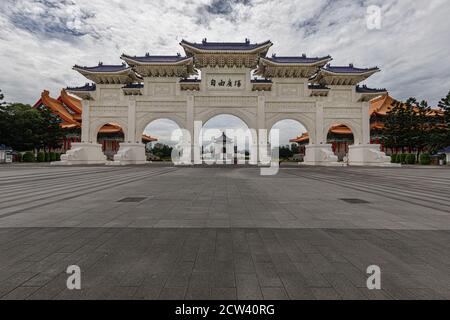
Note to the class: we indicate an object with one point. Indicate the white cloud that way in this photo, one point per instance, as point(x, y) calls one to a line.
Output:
point(41, 40)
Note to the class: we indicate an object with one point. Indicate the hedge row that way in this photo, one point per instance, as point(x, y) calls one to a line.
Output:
point(40, 157)
point(425, 159)
point(410, 158)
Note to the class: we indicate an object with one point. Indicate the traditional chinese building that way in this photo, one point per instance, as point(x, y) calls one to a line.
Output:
point(69, 110)
point(214, 78)
point(341, 137)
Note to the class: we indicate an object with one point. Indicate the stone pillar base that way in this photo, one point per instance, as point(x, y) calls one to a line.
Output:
point(320, 155)
point(369, 155)
point(130, 153)
point(82, 153)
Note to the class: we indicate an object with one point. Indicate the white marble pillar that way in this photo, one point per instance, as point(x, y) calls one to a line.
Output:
point(365, 123)
point(131, 151)
point(85, 123)
point(318, 152)
point(261, 124)
point(190, 127)
point(320, 139)
point(133, 136)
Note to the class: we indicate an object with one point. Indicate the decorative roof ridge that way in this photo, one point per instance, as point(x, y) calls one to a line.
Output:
point(383, 97)
point(274, 55)
point(246, 42)
point(71, 102)
point(350, 68)
point(100, 66)
point(87, 87)
point(225, 46)
point(160, 56)
point(365, 89)
point(57, 106)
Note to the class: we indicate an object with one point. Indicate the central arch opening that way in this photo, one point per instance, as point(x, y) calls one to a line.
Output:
point(340, 137)
point(160, 136)
point(226, 138)
point(293, 139)
point(110, 136)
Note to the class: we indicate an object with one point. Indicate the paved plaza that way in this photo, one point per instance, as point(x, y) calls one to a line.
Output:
point(163, 232)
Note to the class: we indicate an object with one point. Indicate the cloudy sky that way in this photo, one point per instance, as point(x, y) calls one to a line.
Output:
point(40, 40)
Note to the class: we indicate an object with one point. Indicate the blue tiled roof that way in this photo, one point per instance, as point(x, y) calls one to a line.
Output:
point(86, 87)
point(347, 69)
point(232, 46)
point(365, 89)
point(445, 150)
point(155, 59)
point(297, 59)
point(104, 68)
point(317, 86)
point(133, 86)
point(4, 147)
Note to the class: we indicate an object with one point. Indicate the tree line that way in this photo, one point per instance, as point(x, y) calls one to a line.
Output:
point(413, 126)
point(24, 128)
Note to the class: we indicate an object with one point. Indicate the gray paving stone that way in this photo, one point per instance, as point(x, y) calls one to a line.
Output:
point(274, 293)
point(248, 286)
point(227, 233)
point(172, 293)
point(223, 294)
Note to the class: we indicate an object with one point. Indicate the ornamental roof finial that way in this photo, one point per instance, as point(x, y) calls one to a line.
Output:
point(274, 55)
point(204, 40)
point(247, 40)
point(147, 54)
point(350, 65)
point(100, 63)
point(303, 55)
point(178, 54)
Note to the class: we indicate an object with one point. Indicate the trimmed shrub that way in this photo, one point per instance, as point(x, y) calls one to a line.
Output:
point(58, 156)
point(52, 156)
point(28, 156)
point(47, 157)
point(41, 156)
point(394, 158)
point(19, 157)
point(410, 158)
point(402, 158)
point(425, 159)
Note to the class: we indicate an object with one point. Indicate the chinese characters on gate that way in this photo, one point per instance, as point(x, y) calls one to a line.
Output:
point(225, 83)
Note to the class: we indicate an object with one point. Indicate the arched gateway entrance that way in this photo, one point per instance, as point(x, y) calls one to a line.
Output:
point(305, 89)
point(226, 138)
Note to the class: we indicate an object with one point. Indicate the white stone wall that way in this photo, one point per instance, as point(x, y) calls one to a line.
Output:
point(289, 99)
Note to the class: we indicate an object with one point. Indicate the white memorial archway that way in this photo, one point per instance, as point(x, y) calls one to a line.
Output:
point(306, 89)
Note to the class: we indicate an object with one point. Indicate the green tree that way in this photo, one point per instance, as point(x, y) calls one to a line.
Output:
point(399, 123)
point(422, 126)
point(162, 150)
point(444, 125)
point(51, 133)
point(20, 126)
point(295, 148)
point(25, 128)
point(285, 152)
point(413, 126)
